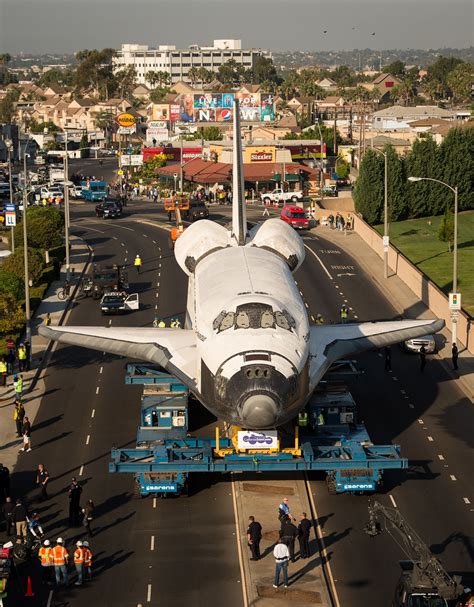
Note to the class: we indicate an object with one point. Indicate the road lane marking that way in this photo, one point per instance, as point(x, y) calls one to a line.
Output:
point(110, 321)
point(452, 477)
point(392, 499)
point(301, 293)
point(156, 294)
point(100, 370)
point(154, 241)
point(402, 392)
point(305, 304)
point(431, 439)
point(411, 405)
point(145, 235)
point(441, 457)
point(312, 318)
point(320, 261)
point(126, 250)
point(93, 413)
point(156, 306)
point(88, 439)
point(97, 390)
point(115, 237)
point(122, 244)
point(148, 594)
point(154, 502)
point(125, 260)
point(420, 421)
point(50, 598)
point(81, 470)
point(152, 542)
point(239, 546)
point(466, 500)
point(355, 316)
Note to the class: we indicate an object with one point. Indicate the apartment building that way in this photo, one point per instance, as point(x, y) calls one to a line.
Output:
point(178, 62)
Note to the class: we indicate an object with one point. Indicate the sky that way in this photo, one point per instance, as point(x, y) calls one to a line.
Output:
point(56, 26)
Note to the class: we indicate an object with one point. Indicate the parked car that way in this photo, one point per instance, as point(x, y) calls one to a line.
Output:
point(278, 195)
point(108, 209)
point(295, 217)
point(414, 345)
point(75, 192)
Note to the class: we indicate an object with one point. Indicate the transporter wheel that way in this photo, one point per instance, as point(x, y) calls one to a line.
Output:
point(20, 553)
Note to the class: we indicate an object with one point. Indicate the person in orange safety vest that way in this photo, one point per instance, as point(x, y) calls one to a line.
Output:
point(60, 559)
point(45, 554)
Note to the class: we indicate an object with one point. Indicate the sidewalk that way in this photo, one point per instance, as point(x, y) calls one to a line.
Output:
point(41, 349)
point(260, 498)
point(404, 300)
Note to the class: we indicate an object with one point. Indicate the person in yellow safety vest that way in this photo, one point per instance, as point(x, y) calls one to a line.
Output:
point(137, 263)
point(320, 418)
point(344, 313)
point(87, 560)
point(302, 419)
point(60, 559)
point(3, 372)
point(45, 554)
point(79, 562)
point(319, 319)
point(18, 386)
point(47, 319)
point(44, 202)
point(21, 357)
point(175, 324)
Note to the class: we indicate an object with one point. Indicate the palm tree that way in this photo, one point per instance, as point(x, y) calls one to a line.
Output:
point(5, 58)
point(153, 78)
point(193, 74)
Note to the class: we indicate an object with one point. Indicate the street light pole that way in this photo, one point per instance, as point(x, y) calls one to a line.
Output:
point(66, 207)
point(10, 181)
point(25, 250)
point(454, 324)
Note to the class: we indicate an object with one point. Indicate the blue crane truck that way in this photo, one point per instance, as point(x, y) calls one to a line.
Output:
point(94, 191)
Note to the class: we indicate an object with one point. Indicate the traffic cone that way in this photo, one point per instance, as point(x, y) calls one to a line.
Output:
point(29, 589)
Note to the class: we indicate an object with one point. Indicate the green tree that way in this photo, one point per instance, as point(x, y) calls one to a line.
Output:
point(396, 68)
point(12, 316)
point(5, 59)
point(94, 72)
point(457, 167)
point(11, 284)
point(460, 81)
point(193, 74)
point(424, 197)
point(126, 81)
point(264, 69)
point(208, 133)
point(158, 94)
point(446, 228)
point(438, 72)
point(14, 264)
point(205, 76)
point(45, 228)
point(343, 168)
point(227, 73)
point(153, 78)
point(368, 192)
point(397, 185)
point(149, 167)
point(56, 76)
point(7, 108)
point(38, 127)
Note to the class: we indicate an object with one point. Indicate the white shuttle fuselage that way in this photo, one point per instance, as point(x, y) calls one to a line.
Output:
point(247, 350)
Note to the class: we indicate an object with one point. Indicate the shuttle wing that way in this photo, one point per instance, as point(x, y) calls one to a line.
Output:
point(329, 343)
point(173, 349)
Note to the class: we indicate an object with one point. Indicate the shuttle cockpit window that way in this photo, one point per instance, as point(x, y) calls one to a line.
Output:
point(253, 316)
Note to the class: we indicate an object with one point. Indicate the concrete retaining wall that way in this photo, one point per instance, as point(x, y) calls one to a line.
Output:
point(421, 286)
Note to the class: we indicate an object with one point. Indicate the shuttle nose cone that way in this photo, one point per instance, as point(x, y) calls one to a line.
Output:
point(259, 412)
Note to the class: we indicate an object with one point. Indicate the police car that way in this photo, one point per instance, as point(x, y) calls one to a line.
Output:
point(119, 302)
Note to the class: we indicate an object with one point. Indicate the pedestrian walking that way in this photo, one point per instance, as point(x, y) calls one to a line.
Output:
point(254, 537)
point(79, 562)
point(3, 371)
point(7, 510)
point(288, 534)
point(87, 560)
point(284, 511)
point(26, 433)
point(344, 313)
point(138, 263)
point(422, 359)
point(42, 479)
point(19, 416)
point(60, 559)
point(18, 386)
point(4, 483)
point(10, 361)
point(454, 356)
point(281, 554)
point(74, 495)
point(45, 555)
point(19, 517)
point(303, 535)
point(88, 516)
point(388, 359)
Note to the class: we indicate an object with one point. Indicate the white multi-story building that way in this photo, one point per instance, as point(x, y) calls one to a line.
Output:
point(178, 62)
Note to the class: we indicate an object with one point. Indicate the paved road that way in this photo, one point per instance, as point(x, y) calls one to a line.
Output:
point(426, 413)
point(87, 410)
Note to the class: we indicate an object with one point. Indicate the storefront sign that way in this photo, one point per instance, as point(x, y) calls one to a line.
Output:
point(126, 120)
point(261, 157)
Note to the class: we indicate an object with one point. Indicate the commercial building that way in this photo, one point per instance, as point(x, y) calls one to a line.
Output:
point(178, 62)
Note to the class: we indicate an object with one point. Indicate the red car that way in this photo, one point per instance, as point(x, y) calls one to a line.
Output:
point(295, 217)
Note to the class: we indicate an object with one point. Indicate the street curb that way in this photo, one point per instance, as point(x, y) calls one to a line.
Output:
point(47, 351)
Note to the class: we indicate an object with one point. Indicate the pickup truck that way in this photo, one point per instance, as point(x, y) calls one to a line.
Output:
point(279, 195)
point(94, 191)
point(119, 302)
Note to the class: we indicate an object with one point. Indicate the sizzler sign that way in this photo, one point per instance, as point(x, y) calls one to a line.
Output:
point(261, 157)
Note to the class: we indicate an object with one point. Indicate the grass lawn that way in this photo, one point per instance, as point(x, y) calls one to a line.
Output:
point(418, 240)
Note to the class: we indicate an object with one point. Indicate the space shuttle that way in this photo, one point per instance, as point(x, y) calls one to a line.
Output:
point(247, 350)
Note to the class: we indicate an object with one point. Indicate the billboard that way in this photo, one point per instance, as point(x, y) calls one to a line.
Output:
point(173, 154)
point(246, 439)
point(160, 111)
point(306, 151)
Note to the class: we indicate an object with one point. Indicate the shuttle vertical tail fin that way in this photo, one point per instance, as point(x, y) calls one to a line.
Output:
point(239, 212)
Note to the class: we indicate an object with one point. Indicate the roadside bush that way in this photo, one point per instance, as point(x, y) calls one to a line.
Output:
point(45, 228)
point(15, 264)
point(11, 284)
point(12, 316)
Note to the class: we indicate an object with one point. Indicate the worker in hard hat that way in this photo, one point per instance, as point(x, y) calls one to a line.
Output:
point(137, 263)
point(79, 562)
point(175, 324)
point(45, 555)
point(87, 560)
point(60, 559)
point(319, 319)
